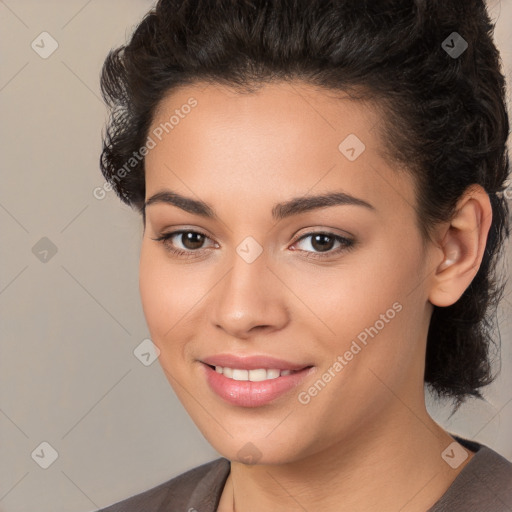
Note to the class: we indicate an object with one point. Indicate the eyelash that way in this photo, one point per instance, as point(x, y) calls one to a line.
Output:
point(346, 244)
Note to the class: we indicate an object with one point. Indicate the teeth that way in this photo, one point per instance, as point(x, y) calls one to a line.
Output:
point(252, 375)
point(273, 374)
point(240, 374)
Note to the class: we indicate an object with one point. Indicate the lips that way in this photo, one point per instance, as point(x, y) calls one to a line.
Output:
point(284, 376)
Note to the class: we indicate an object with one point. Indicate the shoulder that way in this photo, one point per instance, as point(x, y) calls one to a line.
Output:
point(484, 485)
point(199, 487)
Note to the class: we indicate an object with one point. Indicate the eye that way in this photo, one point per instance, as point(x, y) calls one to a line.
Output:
point(323, 243)
point(192, 242)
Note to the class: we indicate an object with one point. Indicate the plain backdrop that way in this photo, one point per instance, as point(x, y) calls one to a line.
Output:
point(70, 312)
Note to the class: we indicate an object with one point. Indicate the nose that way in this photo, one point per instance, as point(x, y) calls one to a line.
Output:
point(250, 299)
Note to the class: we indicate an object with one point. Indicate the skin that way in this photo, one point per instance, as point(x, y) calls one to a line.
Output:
point(366, 441)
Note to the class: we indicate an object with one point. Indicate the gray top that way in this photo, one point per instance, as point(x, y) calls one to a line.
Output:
point(484, 485)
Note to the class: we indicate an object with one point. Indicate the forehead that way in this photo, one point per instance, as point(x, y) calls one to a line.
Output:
point(284, 136)
point(278, 108)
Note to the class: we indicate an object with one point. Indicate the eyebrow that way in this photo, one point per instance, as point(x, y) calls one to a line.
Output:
point(280, 211)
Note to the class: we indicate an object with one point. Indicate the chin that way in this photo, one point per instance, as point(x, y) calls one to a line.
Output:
point(252, 450)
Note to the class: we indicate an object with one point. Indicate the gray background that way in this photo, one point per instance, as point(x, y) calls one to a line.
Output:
point(70, 321)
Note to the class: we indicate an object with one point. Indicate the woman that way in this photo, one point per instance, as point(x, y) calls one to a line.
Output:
point(320, 184)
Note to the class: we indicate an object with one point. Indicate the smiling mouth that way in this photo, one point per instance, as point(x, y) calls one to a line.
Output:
point(254, 387)
point(255, 375)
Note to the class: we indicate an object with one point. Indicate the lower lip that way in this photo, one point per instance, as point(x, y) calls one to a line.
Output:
point(253, 394)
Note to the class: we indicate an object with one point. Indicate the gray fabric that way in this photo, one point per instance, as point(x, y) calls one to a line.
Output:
point(484, 485)
point(199, 488)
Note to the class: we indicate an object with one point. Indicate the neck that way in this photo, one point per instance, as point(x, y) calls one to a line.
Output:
point(397, 466)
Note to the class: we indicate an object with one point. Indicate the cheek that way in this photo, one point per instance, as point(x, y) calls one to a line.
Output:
point(352, 297)
point(370, 302)
point(164, 296)
point(172, 296)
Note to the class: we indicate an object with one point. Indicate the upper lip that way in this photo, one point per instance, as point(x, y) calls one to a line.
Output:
point(251, 362)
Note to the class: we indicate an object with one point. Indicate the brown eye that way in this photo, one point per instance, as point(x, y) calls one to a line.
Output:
point(324, 243)
point(185, 243)
point(192, 240)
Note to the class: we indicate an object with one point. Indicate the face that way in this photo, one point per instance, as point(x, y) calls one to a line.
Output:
point(332, 290)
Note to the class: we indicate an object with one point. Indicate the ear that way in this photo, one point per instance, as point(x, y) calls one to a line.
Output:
point(462, 247)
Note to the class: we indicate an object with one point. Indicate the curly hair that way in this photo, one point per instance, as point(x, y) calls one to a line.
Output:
point(444, 114)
